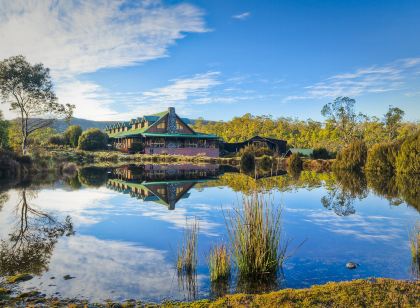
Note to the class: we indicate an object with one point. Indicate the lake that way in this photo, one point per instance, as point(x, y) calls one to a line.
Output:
point(113, 233)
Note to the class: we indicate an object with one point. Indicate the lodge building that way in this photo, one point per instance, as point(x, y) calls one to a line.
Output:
point(161, 133)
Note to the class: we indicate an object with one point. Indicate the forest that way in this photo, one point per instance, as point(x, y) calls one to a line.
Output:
point(343, 123)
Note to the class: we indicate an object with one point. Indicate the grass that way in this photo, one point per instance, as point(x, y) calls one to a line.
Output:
point(187, 253)
point(255, 235)
point(357, 293)
point(18, 278)
point(219, 263)
point(379, 292)
point(415, 249)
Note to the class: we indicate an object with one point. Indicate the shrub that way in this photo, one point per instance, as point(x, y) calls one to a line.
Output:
point(266, 162)
point(381, 157)
point(57, 139)
point(93, 139)
point(295, 163)
point(352, 157)
point(219, 263)
point(255, 233)
point(408, 159)
point(248, 162)
point(321, 153)
point(72, 135)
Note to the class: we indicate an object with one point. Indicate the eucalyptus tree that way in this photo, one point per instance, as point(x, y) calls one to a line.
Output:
point(393, 119)
point(28, 89)
point(342, 116)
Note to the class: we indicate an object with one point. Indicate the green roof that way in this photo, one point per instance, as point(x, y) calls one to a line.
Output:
point(155, 118)
point(195, 135)
point(306, 152)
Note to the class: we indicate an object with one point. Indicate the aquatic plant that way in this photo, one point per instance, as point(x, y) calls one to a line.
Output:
point(219, 263)
point(187, 253)
point(415, 249)
point(255, 235)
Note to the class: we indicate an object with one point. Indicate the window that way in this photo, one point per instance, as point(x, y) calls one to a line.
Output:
point(157, 143)
point(179, 125)
point(161, 125)
point(189, 143)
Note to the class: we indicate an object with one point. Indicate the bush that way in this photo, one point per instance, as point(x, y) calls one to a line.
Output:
point(352, 157)
point(248, 162)
point(295, 163)
point(72, 135)
point(321, 153)
point(93, 139)
point(381, 157)
point(408, 159)
point(57, 139)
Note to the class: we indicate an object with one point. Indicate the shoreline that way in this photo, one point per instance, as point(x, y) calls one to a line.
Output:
point(379, 292)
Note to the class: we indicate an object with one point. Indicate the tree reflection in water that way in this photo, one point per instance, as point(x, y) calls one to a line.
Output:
point(349, 186)
point(31, 241)
point(262, 284)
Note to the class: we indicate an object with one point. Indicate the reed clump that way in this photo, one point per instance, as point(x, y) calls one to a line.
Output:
point(256, 236)
point(219, 263)
point(415, 249)
point(187, 253)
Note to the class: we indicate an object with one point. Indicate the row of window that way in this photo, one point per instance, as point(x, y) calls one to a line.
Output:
point(160, 143)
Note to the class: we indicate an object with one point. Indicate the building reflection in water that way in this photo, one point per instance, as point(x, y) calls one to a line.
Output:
point(163, 184)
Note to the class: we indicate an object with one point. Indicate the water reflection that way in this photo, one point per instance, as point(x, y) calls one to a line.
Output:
point(125, 248)
point(32, 238)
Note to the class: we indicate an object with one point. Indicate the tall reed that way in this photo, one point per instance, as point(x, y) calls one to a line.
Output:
point(415, 249)
point(255, 235)
point(219, 263)
point(187, 253)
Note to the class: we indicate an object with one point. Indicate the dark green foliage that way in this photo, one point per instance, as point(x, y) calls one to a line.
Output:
point(352, 157)
point(381, 157)
point(4, 133)
point(93, 176)
point(408, 159)
point(57, 139)
point(248, 162)
point(321, 153)
point(93, 139)
point(265, 163)
point(295, 163)
point(72, 135)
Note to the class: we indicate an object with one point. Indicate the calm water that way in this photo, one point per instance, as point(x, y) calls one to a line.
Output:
point(116, 231)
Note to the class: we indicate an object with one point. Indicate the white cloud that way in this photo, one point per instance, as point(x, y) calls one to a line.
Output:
point(183, 89)
point(374, 79)
point(242, 16)
point(76, 37)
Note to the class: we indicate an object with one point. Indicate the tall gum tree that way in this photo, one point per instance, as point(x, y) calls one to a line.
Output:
point(28, 89)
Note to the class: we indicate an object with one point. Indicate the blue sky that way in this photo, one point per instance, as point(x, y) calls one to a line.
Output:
point(220, 59)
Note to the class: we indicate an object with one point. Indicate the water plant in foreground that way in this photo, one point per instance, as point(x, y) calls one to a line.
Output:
point(219, 263)
point(415, 249)
point(256, 236)
point(187, 253)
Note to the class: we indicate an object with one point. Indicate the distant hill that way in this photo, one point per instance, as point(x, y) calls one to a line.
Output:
point(61, 125)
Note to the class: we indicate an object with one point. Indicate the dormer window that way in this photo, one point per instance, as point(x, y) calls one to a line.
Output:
point(161, 125)
point(179, 125)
